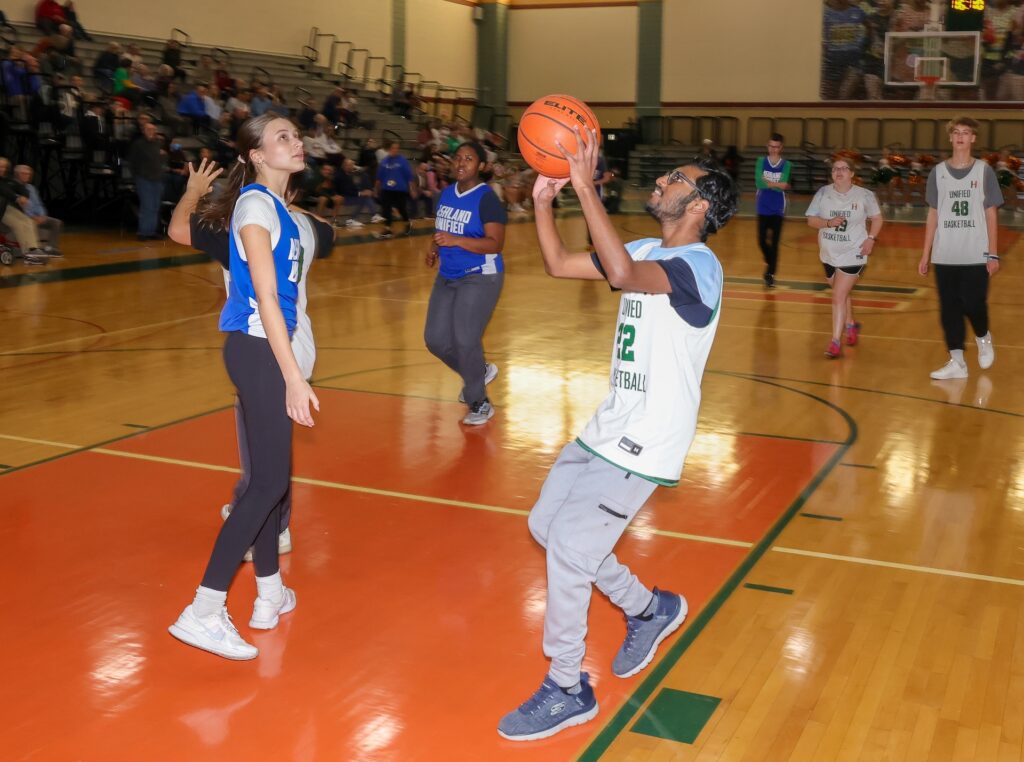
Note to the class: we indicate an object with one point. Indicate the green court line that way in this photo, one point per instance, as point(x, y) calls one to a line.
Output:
point(858, 465)
point(662, 667)
point(821, 516)
point(93, 271)
point(799, 285)
point(795, 439)
point(768, 588)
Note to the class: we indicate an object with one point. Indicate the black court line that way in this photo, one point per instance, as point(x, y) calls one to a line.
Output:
point(135, 425)
point(662, 667)
point(857, 465)
point(821, 516)
point(768, 588)
point(784, 436)
point(900, 395)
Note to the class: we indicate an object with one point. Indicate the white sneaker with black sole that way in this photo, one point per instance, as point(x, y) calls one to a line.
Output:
point(266, 614)
point(490, 373)
point(214, 633)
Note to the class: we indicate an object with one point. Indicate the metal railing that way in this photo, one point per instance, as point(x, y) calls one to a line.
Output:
point(181, 36)
point(369, 65)
point(268, 78)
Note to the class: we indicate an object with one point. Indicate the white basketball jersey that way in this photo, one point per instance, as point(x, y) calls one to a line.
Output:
point(840, 246)
point(961, 237)
point(648, 420)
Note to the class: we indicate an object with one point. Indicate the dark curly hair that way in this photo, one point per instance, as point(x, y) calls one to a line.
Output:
point(717, 188)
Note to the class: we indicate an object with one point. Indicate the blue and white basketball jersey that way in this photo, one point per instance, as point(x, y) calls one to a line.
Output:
point(241, 311)
point(466, 214)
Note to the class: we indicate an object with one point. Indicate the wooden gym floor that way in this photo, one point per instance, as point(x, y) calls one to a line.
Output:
point(848, 533)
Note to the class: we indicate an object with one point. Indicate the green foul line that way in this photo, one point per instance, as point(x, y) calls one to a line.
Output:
point(660, 671)
point(768, 588)
point(858, 465)
point(821, 516)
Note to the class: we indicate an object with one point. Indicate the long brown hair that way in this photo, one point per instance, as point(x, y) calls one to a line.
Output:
point(214, 209)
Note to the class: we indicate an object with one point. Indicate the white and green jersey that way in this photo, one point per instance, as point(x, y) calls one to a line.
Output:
point(960, 197)
point(840, 246)
point(662, 341)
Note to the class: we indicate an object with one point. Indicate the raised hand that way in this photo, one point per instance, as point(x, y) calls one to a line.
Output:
point(201, 180)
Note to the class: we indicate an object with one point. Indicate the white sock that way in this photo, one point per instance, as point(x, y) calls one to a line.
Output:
point(958, 355)
point(270, 588)
point(208, 601)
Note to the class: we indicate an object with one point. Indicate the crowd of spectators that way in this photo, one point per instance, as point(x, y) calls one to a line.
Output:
point(854, 40)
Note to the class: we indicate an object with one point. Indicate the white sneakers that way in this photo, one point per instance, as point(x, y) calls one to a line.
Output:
point(958, 369)
point(952, 369)
point(266, 614)
point(986, 352)
point(214, 633)
point(377, 219)
point(353, 224)
point(479, 414)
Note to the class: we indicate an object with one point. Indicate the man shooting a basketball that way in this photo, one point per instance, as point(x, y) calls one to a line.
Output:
point(639, 436)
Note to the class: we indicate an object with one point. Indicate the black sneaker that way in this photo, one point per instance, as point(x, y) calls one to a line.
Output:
point(769, 280)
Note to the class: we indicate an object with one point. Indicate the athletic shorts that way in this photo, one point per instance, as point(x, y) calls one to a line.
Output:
point(854, 270)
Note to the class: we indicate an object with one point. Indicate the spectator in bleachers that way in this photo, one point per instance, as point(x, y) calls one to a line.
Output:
point(177, 172)
point(15, 74)
point(144, 81)
point(278, 104)
point(123, 85)
point(49, 227)
point(332, 106)
point(57, 51)
point(171, 56)
point(328, 202)
point(167, 110)
point(132, 52)
point(395, 180)
point(95, 130)
point(206, 71)
point(319, 145)
point(224, 81)
point(76, 25)
point(911, 16)
point(306, 116)
point(106, 64)
point(368, 156)
point(731, 162)
point(212, 102)
point(49, 16)
point(428, 190)
point(355, 190)
point(261, 101)
point(239, 104)
point(13, 200)
point(1015, 46)
point(193, 106)
point(146, 160)
point(69, 101)
point(350, 109)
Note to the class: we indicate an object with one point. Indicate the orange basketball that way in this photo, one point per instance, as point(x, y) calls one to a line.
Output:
point(549, 119)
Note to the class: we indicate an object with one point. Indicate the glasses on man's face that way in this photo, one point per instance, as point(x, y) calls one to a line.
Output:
point(678, 176)
point(841, 168)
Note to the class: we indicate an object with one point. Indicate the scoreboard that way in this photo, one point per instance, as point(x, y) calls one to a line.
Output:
point(965, 15)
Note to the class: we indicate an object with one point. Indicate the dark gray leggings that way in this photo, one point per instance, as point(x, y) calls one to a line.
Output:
point(256, 517)
point(243, 459)
point(458, 313)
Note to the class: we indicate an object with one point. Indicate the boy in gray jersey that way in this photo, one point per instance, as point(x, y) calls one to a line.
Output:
point(960, 240)
point(671, 293)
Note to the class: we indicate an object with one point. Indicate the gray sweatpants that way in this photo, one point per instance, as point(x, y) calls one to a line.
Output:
point(585, 505)
point(458, 313)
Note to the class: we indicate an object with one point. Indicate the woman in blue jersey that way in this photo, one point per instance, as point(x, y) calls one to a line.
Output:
point(259, 317)
point(470, 233)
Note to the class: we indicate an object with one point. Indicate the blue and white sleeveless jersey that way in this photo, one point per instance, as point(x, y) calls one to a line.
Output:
point(259, 206)
point(465, 214)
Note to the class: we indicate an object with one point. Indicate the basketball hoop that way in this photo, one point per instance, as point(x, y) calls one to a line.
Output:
point(929, 84)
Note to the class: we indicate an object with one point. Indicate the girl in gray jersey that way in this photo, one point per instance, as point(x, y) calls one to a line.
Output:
point(840, 213)
point(960, 240)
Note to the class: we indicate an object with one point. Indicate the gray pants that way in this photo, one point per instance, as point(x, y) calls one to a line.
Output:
point(458, 313)
point(585, 505)
point(50, 229)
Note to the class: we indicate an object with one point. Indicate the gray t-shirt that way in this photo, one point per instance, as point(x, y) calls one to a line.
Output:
point(993, 193)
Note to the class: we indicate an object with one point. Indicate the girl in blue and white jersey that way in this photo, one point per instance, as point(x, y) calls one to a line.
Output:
point(259, 317)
